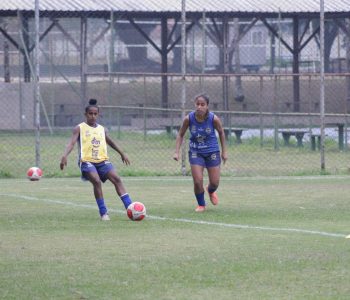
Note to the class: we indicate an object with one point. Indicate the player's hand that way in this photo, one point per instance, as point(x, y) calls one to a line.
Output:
point(176, 156)
point(63, 162)
point(125, 159)
point(224, 157)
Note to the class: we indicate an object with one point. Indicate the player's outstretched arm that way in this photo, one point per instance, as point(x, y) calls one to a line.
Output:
point(69, 147)
point(114, 146)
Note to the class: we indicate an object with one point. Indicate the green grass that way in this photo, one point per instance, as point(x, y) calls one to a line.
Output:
point(53, 245)
point(152, 156)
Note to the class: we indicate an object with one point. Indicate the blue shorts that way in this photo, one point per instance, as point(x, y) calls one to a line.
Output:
point(206, 160)
point(101, 168)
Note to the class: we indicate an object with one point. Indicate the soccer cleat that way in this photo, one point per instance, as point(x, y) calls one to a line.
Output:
point(200, 208)
point(214, 199)
point(105, 217)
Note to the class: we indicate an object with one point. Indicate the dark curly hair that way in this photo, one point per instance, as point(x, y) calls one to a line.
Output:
point(92, 103)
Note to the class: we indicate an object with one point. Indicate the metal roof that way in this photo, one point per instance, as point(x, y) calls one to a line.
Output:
point(174, 6)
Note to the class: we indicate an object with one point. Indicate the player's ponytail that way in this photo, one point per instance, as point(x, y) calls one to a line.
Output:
point(92, 103)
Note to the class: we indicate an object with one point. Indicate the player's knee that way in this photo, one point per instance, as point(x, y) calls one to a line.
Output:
point(198, 183)
point(213, 186)
point(96, 182)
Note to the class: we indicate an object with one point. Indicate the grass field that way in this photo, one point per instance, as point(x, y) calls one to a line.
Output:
point(152, 156)
point(269, 238)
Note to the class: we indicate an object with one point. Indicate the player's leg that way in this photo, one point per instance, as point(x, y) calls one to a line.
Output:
point(214, 179)
point(113, 177)
point(197, 168)
point(213, 166)
point(197, 176)
point(94, 178)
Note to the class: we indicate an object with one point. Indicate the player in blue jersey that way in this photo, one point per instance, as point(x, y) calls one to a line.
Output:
point(92, 139)
point(204, 150)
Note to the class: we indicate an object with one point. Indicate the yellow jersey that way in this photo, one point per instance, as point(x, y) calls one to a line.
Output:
point(92, 143)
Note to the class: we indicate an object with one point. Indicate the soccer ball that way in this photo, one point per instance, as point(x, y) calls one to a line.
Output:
point(136, 211)
point(34, 173)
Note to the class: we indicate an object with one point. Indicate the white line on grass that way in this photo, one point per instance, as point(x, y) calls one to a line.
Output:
point(229, 225)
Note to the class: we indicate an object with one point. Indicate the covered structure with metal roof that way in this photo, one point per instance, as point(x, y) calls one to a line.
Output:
point(172, 8)
point(218, 13)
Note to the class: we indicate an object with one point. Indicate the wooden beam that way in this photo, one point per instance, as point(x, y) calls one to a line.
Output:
point(275, 33)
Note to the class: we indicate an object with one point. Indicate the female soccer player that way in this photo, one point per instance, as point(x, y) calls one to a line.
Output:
point(204, 149)
point(93, 160)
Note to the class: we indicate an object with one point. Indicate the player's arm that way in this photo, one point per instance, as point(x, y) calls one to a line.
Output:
point(180, 137)
point(69, 147)
point(221, 132)
point(114, 146)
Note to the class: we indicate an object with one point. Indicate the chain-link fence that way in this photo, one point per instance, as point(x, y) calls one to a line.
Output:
point(262, 77)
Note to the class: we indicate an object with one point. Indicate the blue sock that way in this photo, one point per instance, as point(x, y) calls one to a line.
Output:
point(101, 206)
point(126, 200)
point(211, 190)
point(200, 199)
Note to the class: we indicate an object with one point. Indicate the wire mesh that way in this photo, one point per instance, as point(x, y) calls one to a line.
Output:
point(261, 81)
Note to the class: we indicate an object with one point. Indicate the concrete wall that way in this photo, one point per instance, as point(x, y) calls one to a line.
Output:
point(17, 106)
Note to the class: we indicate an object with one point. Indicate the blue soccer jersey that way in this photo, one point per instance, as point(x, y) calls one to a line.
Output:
point(203, 138)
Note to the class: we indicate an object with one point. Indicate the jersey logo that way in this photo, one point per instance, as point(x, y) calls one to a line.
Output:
point(208, 130)
point(193, 128)
point(95, 143)
point(200, 138)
